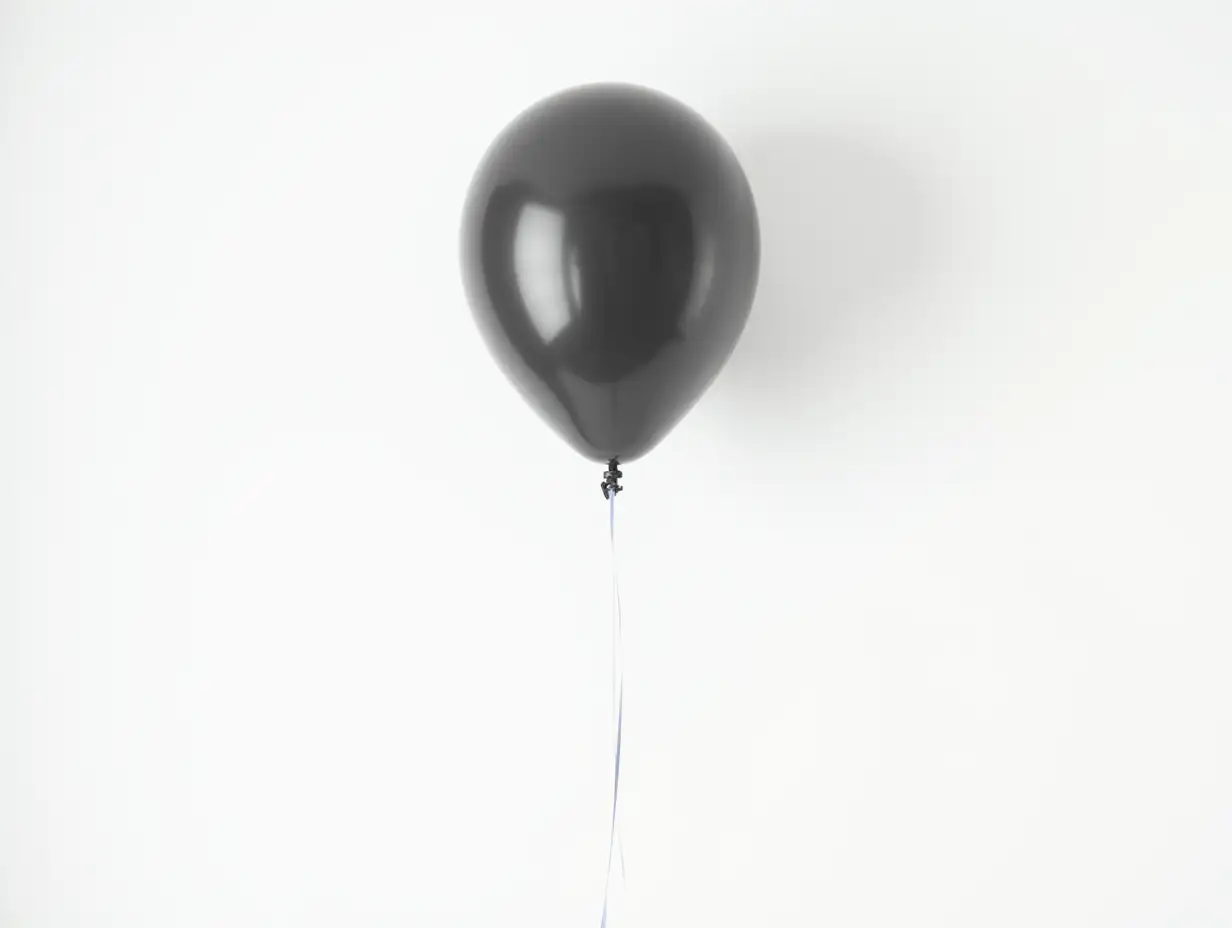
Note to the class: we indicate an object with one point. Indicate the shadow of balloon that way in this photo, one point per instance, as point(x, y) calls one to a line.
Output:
point(850, 230)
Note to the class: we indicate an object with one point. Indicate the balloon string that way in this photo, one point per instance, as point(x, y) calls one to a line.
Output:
point(618, 712)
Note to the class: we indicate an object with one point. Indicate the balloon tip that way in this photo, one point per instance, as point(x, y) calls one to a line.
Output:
point(611, 479)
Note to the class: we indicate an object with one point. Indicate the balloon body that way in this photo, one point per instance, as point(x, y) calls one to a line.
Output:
point(610, 253)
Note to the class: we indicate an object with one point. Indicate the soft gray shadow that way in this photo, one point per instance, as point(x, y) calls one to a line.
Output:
point(851, 228)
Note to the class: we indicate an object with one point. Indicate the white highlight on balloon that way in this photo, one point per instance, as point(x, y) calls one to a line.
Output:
point(539, 263)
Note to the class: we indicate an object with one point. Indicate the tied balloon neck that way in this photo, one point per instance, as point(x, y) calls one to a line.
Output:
point(611, 479)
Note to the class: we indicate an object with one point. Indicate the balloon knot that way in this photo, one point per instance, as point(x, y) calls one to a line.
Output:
point(611, 479)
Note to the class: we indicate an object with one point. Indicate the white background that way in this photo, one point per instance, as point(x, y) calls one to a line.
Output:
point(928, 603)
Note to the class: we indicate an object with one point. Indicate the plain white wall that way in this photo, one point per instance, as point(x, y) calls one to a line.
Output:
point(928, 603)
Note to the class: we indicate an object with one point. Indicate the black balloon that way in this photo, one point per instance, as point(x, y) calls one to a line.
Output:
point(610, 254)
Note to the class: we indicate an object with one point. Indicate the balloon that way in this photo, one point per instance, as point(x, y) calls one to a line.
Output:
point(610, 253)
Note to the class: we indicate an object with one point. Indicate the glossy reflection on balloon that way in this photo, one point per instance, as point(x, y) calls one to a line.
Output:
point(610, 256)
